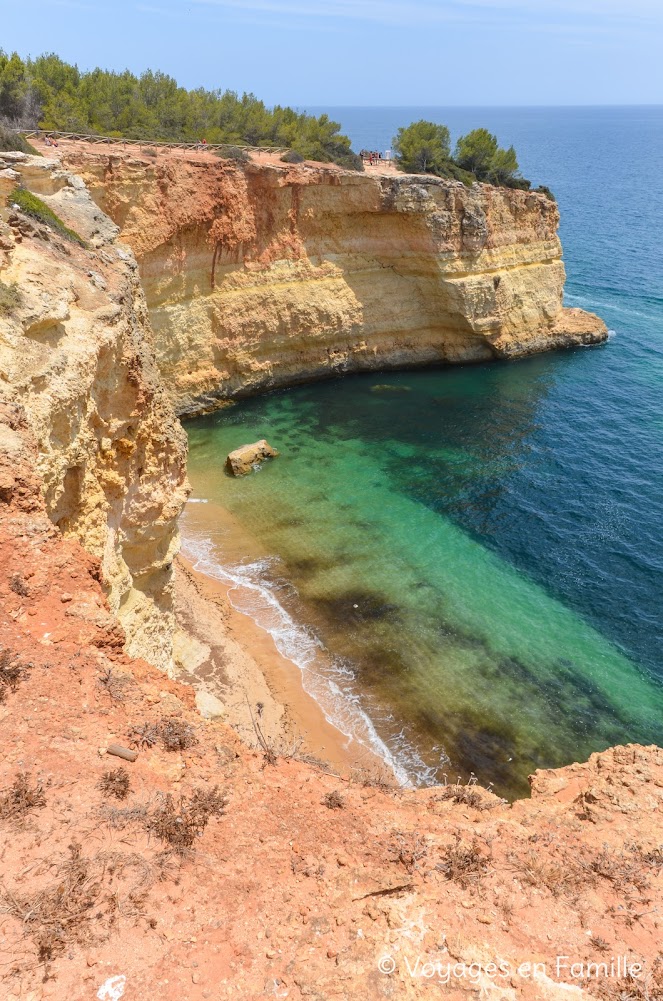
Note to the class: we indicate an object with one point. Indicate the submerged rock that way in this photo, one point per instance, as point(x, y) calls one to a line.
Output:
point(244, 458)
point(386, 387)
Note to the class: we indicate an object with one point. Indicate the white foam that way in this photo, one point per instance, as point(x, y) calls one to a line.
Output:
point(327, 679)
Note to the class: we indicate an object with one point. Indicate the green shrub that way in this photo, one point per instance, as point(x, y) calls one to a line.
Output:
point(36, 209)
point(234, 153)
point(292, 156)
point(13, 141)
point(543, 189)
point(10, 297)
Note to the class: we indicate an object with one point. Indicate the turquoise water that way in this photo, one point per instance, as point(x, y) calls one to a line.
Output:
point(467, 567)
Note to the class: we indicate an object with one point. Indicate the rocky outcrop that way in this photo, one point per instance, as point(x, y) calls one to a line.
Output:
point(76, 354)
point(243, 459)
point(261, 275)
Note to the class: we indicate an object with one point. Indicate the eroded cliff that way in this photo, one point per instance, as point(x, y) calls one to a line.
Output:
point(76, 354)
point(261, 274)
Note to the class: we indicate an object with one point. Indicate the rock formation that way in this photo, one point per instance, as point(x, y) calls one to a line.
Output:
point(261, 275)
point(76, 353)
point(243, 459)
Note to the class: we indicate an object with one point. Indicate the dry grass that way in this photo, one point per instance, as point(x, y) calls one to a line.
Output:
point(115, 783)
point(10, 297)
point(21, 798)
point(463, 863)
point(333, 800)
point(17, 583)
point(408, 849)
point(82, 902)
point(144, 735)
point(466, 795)
point(176, 735)
point(180, 823)
point(12, 673)
point(113, 684)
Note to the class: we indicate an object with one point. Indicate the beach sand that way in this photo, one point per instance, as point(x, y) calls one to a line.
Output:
point(224, 654)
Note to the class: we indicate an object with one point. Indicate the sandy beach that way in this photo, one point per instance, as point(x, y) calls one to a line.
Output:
point(225, 654)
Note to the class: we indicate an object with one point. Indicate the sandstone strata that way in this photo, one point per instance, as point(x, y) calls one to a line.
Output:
point(76, 354)
point(261, 275)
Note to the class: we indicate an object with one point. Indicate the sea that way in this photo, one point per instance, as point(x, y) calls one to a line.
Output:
point(467, 568)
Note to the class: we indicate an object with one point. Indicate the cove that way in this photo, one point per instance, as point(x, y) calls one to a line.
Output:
point(442, 553)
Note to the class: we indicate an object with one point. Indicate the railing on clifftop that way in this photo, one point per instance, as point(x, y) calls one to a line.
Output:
point(120, 141)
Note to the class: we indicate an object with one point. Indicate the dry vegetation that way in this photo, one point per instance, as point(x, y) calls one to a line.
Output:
point(179, 823)
point(12, 671)
point(21, 798)
point(115, 783)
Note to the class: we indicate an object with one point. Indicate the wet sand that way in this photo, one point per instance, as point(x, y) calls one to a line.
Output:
point(234, 659)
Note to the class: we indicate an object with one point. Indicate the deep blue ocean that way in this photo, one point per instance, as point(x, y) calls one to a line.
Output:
point(479, 556)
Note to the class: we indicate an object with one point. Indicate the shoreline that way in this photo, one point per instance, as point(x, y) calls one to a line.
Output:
point(224, 653)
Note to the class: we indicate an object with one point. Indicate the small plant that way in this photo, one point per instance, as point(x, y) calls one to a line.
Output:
point(11, 673)
point(234, 153)
point(179, 824)
point(543, 189)
point(463, 863)
point(407, 849)
point(148, 151)
point(466, 795)
point(39, 210)
point(176, 735)
point(21, 798)
point(10, 140)
point(115, 783)
point(333, 800)
point(81, 905)
point(10, 297)
point(599, 943)
point(113, 684)
point(292, 156)
point(144, 735)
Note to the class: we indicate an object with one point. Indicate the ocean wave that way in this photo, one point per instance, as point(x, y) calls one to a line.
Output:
point(329, 680)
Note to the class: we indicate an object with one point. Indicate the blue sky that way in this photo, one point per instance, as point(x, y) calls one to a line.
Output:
point(365, 52)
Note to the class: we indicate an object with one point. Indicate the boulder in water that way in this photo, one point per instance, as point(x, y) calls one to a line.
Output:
point(244, 458)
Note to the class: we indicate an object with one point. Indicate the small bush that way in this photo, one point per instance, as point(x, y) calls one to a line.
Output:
point(179, 824)
point(176, 735)
point(37, 209)
point(115, 783)
point(17, 583)
point(143, 735)
point(463, 863)
point(234, 153)
point(543, 189)
point(333, 800)
point(10, 297)
point(14, 142)
point(292, 156)
point(21, 798)
point(407, 849)
point(148, 151)
point(113, 684)
point(11, 673)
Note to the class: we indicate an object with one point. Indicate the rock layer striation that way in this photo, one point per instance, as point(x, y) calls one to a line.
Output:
point(260, 275)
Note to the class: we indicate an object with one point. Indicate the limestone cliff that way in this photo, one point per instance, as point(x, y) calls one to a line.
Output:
point(261, 274)
point(76, 353)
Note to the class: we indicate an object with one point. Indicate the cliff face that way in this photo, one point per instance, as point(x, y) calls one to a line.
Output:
point(76, 354)
point(259, 275)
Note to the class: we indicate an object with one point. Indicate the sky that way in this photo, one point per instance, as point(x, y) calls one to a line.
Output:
point(310, 53)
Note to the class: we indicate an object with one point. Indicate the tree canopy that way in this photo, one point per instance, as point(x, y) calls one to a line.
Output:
point(424, 148)
point(52, 94)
